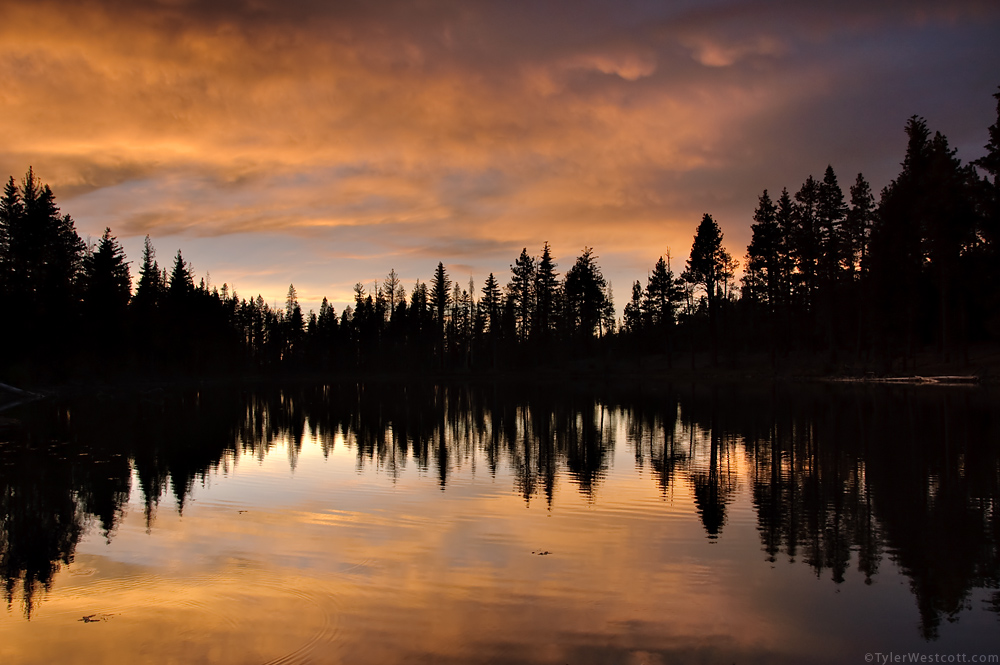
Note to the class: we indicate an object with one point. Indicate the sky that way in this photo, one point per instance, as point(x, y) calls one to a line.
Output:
point(323, 143)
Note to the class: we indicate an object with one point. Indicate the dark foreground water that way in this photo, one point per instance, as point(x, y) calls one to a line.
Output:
point(557, 524)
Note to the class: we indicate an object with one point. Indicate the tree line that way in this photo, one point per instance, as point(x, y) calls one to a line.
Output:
point(828, 275)
point(846, 278)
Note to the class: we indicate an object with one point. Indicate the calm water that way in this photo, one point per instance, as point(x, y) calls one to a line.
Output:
point(386, 524)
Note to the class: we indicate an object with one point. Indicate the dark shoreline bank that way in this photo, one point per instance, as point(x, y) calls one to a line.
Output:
point(983, 369)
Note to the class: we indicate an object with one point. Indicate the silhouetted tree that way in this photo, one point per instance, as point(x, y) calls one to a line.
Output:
point(830, 213)
point(440, 294)
point(805, 247)
point(546, 296)
point(181, 278)
point(632, 314)
point(521, 292)
point(106, 294)
point(763, 261)
point(586, 296)
point(40, 273)
point(706, 267)
point(294, 322)
point(858, 225)
point(490, 304)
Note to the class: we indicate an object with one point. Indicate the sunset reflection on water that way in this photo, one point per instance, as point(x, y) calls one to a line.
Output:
point(317, 548)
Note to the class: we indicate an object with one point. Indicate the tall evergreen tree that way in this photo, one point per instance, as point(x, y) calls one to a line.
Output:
point(294, 321)
point(521, 291)
point(440, 294)
point(990, 163)
point(148, 291)
point(785, 216)
point(11, 213)
point(858, 224)
point(763, 265)
point(830, 213)
point(391, 287)
point(586, 295)
point(950, 233)
point(707, 268)
point(662, 296)
point(490, 304)
point(546, 296)
point(895, 247)
point(41, 273)
point(181, 278)
point(632, 314)
point(108, 285)
point(805, 242)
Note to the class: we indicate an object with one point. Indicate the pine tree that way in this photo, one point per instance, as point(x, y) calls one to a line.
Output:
point(662, 296)
point(707, 267)
point(586, 296)
point(990, 163)
point(785, 216)
point(805, 242)
point(181, 279)
point(41, 273)
point(490, 304)
point(147, 291)
point(521, 291)
point(858, 224)
point(391, 287)
point(632, 314)
point(11, 214)
point(763, 260)
point(830, 213)
point(546, 296)
point(107, 291)
point(895, 247)
point(440, 294)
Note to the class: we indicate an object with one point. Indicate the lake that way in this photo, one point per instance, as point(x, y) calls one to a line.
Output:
point(499, 523)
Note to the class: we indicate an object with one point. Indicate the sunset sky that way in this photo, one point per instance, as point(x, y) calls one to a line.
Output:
point(324, 143)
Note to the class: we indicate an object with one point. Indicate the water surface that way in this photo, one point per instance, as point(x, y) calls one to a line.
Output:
point(557, 524)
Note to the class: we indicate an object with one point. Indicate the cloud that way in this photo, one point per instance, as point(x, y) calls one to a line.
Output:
point(453, 128)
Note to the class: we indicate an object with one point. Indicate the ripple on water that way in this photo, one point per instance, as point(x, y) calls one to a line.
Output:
point(233, 616)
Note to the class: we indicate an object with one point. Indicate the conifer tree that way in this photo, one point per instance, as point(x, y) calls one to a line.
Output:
point(805, 242)
point(785, 215)
point(707, 267)
point(11, 214)
point(391, 287)
point(181, 278)
point(440, 294)
point(858, 224)
point(763, 266)
point(293, 316)
point(546, 296)
point(586, 296)
point(662, 295)
point(632, 314)
point(490, 304)
point(147, 291)
point(990, 163)
point(108, 283)
point(830, 213)
point(895, 247)
point(521, 292)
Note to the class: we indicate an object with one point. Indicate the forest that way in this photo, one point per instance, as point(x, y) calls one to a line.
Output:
point(846, 280)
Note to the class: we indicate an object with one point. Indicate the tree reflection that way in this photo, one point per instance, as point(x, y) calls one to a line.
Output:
point(838, 477)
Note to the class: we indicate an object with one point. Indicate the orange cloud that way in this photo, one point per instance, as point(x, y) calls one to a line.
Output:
point(615, 127)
